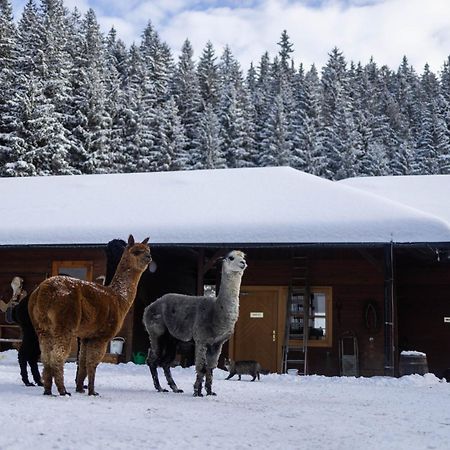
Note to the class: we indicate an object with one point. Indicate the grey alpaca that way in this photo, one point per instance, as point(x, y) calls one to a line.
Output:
point(208, 321)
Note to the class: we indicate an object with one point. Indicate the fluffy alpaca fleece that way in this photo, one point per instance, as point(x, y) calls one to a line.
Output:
point(208, 321)
point(62, 308)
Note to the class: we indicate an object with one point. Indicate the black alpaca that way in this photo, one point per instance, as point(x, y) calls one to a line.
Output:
point(29, 350)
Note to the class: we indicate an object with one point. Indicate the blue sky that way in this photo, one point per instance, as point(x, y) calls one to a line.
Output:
point(384, 29)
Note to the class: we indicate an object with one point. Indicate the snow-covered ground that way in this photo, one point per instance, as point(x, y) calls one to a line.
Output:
point(279, 412)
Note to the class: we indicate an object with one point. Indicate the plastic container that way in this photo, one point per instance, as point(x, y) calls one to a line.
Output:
point(116, 345)
point(139, 357)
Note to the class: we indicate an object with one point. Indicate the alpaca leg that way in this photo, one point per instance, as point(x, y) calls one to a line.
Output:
point(58, 356)
point(47, 375)
point(153, 357)
point(47, 372)
point(167, 359)
point(212, 358)
point(208, 382)
point(170, 380)
point(95, 351)
point(200, 369)
point(81, 369)
point(254, 376)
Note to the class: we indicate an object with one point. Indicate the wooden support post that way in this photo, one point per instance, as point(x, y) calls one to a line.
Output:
point(389, 311)
point(200, 271)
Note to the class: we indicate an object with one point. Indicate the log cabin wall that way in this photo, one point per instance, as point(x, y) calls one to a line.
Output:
point(355, 275)
point(357, 280)
point(34, 265)
point(423, 291)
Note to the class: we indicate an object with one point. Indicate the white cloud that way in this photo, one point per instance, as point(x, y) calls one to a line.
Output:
point(384, 29)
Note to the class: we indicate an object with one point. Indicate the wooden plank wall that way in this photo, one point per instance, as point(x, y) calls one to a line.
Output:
point(34, 265)
point(423, 291)
point(356, 279)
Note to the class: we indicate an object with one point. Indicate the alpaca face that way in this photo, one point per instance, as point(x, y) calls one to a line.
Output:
point(234, 262)
point(139, 255)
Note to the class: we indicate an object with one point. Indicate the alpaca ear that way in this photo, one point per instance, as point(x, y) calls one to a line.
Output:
point(130, 240)
point(145, 241)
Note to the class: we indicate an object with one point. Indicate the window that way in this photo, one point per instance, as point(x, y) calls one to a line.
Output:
point(319, 320)
point(76, 269)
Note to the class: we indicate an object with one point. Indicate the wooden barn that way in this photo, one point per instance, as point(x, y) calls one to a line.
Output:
point(341, 277)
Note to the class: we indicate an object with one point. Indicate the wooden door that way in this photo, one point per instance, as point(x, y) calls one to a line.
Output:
point(257, 333)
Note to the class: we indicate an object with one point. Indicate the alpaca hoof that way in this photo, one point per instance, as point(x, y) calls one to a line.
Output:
point(28, 383)
point(198, 394)
point(162, 390)
point(80, 390)
point(211, 393)
point(94, 393)
point(65, 393)
point(39, 383)
point(47, 392)
point(178, 391)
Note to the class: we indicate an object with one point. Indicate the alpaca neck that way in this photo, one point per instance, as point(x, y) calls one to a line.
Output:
point(125, 283)
point(227, 302)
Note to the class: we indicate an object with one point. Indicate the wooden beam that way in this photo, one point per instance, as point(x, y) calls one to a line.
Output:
point(389, 311)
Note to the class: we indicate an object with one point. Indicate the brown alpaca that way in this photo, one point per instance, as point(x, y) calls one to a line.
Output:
point(62, 308)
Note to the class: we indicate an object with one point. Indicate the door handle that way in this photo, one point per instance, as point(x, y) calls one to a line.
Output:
point(274, 335)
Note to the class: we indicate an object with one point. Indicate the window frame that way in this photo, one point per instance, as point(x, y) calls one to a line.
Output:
point(328, 341)
point(73, 264)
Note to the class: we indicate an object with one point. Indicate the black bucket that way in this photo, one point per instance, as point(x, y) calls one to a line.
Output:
point(413, 363)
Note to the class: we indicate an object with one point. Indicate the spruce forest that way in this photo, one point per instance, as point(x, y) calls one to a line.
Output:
point(76, 101)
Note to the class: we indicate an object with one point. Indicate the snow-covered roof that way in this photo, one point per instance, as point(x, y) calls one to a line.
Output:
point(427, 193)
point(254, 206)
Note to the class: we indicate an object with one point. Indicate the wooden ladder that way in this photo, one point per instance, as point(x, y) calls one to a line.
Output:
point(295, 354)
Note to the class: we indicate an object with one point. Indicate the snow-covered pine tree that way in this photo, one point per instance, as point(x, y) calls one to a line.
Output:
point(406, 89)
point(232, 114)
point(42, 145)
point(336, 115)
point(208, 76)
point(116, 105)
point(276, 147)
point(306, 154)
point(139, 121)
point(8, 63)
point(186, 91)
point(208, 148)
point(432, 136)
point(170, 150)
point(92, 124)
point(158, 61)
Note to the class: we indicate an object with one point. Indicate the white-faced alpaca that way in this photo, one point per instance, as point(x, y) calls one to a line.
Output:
point(62, 307)
point(208, 321)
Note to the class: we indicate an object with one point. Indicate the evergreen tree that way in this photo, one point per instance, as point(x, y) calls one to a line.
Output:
point(92, 123)
point(208, 153)
point(8, 64)
point(338, 126)
point(139, 117)
point(171, 142)
point(232, 104)
point(276, 148)
point(186, 91)
point(208, 76)
point(158, 62)
point(306, 154)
